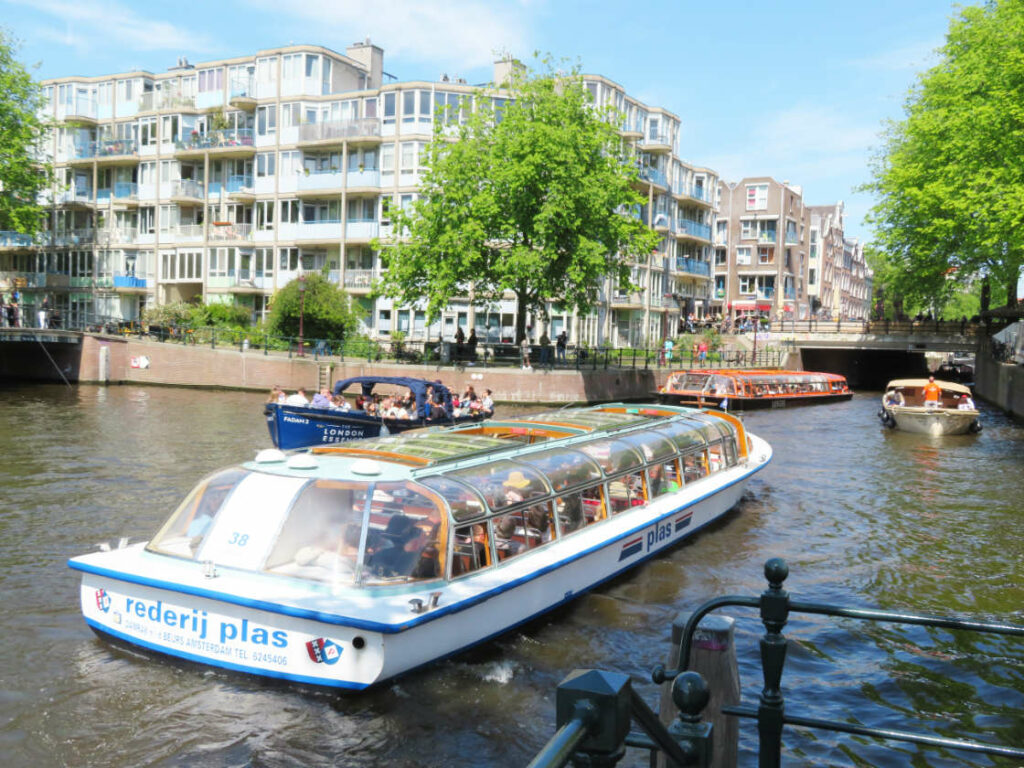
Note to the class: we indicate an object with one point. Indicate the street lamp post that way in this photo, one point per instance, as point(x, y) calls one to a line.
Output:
point(302, 310)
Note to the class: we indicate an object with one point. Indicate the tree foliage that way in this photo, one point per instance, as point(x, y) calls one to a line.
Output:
point(325, 309)
point(530, 198)
point(950, 176)
point(22, 176)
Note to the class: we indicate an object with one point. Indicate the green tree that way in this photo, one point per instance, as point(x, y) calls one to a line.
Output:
point(325, 309)
point(950, 176)
point(22, 175)
point(533, 196)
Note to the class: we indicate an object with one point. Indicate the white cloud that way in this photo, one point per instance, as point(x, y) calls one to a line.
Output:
point(108, 25)
point(455, 35)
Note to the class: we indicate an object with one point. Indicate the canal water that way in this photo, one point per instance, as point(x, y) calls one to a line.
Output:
point(864, 516)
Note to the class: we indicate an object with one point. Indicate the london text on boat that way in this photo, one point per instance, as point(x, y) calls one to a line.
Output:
point(947, 409)
point(299, 426)
point(742, 389)
point(350, 564)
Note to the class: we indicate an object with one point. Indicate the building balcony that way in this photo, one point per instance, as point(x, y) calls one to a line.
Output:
point(108, 150)
point(73, 237)
point(691, 228)
point(231, 141)
point(792, 239)
point(768, 237)
point(358, 229)
point(362, 129)
point(243, 93)
point(246, 281)
point(126, 191)
point(187, 190)
point(229, 231)
point(75, 196)
point(632, 130)
point(359, 279)
point(79, 109)
point(167, 100)
point(317, 181)
point(187, 233)
point(323, 230)
point(693, 266)
point(117, 236)
point(129, 283)
point(10, 239)
point(653, 175)
point(660, 142)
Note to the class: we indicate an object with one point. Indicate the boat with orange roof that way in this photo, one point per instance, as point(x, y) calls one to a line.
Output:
point(743, 389)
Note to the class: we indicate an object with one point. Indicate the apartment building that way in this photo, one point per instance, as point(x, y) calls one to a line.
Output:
point(762, 247)
point(826, 250)
point(225, 180)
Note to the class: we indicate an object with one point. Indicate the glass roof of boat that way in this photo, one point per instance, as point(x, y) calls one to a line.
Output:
point(433, 446)
point(588, 420)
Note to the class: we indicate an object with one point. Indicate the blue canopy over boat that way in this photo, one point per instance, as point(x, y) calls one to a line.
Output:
point(417, 386)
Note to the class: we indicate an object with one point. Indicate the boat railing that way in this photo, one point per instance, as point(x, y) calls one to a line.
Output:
point(595, 710)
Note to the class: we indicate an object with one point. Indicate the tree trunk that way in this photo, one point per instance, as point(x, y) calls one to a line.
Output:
point(520, 316)
point(986, 292)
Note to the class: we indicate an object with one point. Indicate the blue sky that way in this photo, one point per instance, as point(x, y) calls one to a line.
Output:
point(795, 89)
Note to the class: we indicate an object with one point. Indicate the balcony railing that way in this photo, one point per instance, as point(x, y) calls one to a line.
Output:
point(125, 280)
point(693, 266)
point(108, 148)
point(116, 235)
point(10, 239)
point(695, 228)
point(239, 183)
point(80, 106)
point(340, 129)
point(243, 87)
point(126, 190)
point(166, 100)
point(188, 188)
point(766, 237)
point(75, 195)
point(359, 278)
point(657, 139)
point(232, 231)
point(225, 139)
point(188, 231)
point(103, 195)
point(84, 236)
point(791, 238)
point(328, 178)
point(653, 175)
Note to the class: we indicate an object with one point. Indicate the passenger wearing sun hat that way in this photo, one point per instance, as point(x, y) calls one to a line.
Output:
point(514, 484)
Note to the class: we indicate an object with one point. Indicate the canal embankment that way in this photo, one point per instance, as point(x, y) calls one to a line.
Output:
point(115, 360)
point(1001, 384)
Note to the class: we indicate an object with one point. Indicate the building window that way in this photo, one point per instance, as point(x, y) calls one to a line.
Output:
point(266, 120)
point(265, 164)
point(211, 79)
point(747, 284)
point(390, 104)
point(289, 259)
point(757, 197)
point(743, 255)
point(289, 211)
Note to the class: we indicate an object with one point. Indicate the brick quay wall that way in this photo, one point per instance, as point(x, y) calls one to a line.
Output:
point(116, 360)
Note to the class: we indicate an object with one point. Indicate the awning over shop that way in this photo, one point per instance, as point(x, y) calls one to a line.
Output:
point(746, 305)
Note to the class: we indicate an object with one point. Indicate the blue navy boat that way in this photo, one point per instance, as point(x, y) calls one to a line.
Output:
point(297, 426)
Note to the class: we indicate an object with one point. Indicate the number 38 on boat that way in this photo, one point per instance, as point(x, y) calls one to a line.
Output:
point(349, 564)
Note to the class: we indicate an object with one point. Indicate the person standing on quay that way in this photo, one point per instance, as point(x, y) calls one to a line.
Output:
point(44, 309)
point(560, 344)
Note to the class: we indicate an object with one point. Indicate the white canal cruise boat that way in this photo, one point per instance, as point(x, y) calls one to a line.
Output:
point(349, 564)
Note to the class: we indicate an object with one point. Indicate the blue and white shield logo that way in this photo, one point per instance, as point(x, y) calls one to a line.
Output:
point(102, 600)
point(323, 651)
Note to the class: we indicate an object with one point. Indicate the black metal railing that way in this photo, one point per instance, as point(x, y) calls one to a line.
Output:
point(775, 607)
point(595, 710)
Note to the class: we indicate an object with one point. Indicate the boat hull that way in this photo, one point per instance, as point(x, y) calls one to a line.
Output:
point(294, 427)
point(346, 642)
point(933, 421)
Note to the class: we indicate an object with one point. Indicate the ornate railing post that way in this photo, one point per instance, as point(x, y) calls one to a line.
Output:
point(770, 711)
point(690, 694)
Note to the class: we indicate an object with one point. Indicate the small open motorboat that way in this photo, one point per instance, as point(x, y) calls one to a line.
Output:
point(904, 408)
point(301, 426)
point(742, 389)
point(349, 564)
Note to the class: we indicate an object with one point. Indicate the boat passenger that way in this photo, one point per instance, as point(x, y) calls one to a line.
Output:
point(487, 404)
point(322, 399)
point(277, 395)
point(966, 403)
point(932, 392)
point(299, 398)
point(894, 398)
point(339, 403)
